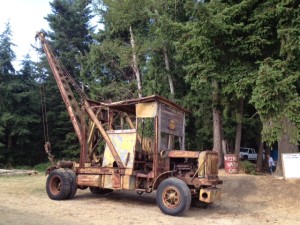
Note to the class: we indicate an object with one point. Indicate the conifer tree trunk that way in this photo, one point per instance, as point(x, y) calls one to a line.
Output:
point(167, 64)
point(135, 63)
point(217, 123)
point(259, 161)
point(239, 125)
point(285, 144)
point(9, 142)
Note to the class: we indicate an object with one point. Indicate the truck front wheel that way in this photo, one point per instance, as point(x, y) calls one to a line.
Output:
point(173, 197)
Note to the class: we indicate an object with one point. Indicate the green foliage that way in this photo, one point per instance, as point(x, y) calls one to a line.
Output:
point(219, 53)
point(276, 93)
point(70, 37)
point(7, 55)
point(248, 167)
point(275, 98)
point(42, 167)
point(71, 32)
point(19, 118)
point(23, 167)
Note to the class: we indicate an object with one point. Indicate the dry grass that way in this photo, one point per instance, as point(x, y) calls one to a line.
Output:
point(246, 199)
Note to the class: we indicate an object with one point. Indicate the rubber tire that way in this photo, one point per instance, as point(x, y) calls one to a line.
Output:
point(183, 192)
point(245, 157)
point(58, 184)
point(73, 188)
point(100, 191)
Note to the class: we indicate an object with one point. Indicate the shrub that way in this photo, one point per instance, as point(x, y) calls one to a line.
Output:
point(22, 167)
point(42, 167)
point(247, 167)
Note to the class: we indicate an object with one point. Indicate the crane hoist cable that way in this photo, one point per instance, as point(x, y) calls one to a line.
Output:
point(47, 145)
point(44, 112)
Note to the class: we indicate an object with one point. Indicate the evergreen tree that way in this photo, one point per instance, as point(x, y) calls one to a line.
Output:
point(70, 38)
point(19, 118)
point(276, 94)
point(250, 35)
point(202, 51)
point(71, 32)
point(7, 55)
point(6, 71)
point(164, 75)
point(123, 46)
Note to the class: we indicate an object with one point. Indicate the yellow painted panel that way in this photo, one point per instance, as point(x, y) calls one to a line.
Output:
point(107, 181)
point(210, 195)
point(124, 144)
point(128, 182)
point(146, 110)
point(201, 162)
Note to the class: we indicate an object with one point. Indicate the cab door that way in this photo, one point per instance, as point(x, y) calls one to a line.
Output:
point(252, 155)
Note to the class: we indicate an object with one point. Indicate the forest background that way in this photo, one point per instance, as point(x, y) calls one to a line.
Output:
point(234, 64)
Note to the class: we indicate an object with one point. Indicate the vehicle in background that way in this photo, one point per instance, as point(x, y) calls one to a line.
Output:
point(248, 154)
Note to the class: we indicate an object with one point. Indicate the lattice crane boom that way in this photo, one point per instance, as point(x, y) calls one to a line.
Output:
point(62, 79)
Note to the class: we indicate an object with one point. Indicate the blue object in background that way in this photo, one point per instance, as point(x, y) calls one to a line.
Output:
point(274, 154)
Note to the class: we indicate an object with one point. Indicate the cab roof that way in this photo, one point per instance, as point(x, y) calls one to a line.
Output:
point(129, 104)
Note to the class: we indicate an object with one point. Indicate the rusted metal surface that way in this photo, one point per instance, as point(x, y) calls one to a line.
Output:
point(63, 86)
point(129, 105)
point(124, 143)
point(171, 121)
point(118, 152)
point(89, 180)
point(83, 155)
point(231, 162)
point(171, 197)
point(116, 179)
point(210, 194)
point(183, 154)
point(104, 135)
point(66, 164)
point(208, 161)
point(145, 110)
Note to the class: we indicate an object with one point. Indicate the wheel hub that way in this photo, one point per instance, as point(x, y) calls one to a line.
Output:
point(171, 197)
point(55, 185)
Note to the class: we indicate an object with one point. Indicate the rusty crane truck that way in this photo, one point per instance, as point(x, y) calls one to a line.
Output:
point(135, 144)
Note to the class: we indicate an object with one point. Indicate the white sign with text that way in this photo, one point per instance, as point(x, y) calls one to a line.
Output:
point(291, 165)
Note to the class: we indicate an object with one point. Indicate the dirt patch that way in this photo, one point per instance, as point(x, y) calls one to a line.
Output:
point(246, 199)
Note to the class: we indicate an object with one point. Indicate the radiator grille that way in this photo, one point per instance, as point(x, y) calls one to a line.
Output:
point(208, 164)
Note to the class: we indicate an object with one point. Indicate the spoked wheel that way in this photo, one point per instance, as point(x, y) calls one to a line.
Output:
point(173, 197)
point(58, 184)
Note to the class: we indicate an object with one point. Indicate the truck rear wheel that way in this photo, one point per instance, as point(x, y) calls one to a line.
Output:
point(173, 197)
point(58, 184)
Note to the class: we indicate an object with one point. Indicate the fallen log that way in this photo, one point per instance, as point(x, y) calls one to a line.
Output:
point(5, 172)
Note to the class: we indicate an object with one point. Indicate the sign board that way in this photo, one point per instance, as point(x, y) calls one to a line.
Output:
point(291, 165)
